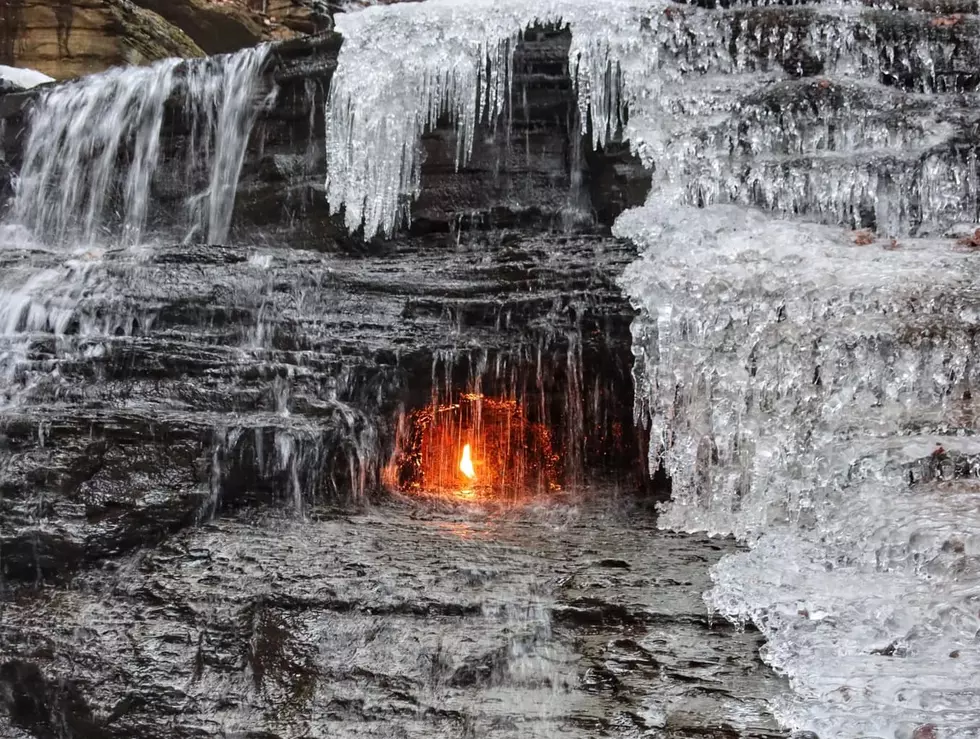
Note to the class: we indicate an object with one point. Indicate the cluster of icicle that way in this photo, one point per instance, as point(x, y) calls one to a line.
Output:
point(401, 67)
point(702, 79)
point(795, 381)
point(94, 149)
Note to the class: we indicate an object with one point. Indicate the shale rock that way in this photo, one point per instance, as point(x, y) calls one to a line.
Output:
point(68, 38)
point(215, 28)
point(400, 621)
point(274, 369)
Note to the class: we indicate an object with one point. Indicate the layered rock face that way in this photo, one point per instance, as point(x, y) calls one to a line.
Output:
point(202, 381)
point(69, 38)
point(283, 361)
point(185, 368)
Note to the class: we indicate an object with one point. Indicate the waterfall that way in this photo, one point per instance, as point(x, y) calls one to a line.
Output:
point(77, 135)
point(94, 149)
point(220, 96)
point(809, 386)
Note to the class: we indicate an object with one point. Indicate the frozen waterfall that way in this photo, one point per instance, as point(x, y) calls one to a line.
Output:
point(811, 387)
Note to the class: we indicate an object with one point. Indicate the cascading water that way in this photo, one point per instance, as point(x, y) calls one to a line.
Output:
point(71, 158)
point(93, 162)
point(220, 97)
point(94, 149)
point(797, 377)
point(86, 183)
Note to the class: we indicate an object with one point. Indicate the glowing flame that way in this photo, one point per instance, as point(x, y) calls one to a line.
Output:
point(466, 463)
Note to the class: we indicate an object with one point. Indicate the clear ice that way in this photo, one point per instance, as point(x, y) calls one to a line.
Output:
point(808, 392)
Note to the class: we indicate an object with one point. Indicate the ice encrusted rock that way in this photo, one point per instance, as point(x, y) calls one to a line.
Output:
point(796, 381)
point(382, 99)
point(720, 102)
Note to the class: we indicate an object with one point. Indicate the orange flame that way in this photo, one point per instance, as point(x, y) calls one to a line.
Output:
point(466, 463)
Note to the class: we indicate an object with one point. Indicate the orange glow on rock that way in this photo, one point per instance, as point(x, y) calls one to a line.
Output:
point(466, 463)
point(475, 447)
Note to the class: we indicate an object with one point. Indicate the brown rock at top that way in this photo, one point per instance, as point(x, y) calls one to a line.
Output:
point(223, 26)
point(67, 38)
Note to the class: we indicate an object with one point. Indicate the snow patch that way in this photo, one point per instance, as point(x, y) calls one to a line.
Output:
point(23, 78)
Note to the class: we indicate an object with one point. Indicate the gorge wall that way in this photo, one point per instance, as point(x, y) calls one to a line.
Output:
point(191, 331)
point(68, 38)
point(282, 359)
point(158, 387)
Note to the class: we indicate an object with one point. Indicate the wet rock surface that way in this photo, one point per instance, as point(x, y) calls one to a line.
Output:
point(203, 378)
point(159, 384)
point(410, 619)
point(175, 425)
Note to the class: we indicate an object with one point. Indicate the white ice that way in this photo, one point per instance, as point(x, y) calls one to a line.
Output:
point(798, 382)
point(23, 77)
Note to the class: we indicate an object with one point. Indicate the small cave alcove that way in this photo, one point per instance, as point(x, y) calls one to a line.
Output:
point(511, 426)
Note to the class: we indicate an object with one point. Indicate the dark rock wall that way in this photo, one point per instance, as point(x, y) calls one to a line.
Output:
point(277, 368)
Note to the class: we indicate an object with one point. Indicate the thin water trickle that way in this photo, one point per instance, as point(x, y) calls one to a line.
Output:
point(220, 98)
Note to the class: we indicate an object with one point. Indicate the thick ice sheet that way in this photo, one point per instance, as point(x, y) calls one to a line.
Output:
point(797, 382)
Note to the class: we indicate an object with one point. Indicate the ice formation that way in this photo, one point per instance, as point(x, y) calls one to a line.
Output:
point(716, 98)
point(71, 188)
point(798, 382)
point(810, 392)
point(382, 99)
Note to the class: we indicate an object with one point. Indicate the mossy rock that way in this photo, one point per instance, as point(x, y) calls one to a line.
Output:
point(147, 37)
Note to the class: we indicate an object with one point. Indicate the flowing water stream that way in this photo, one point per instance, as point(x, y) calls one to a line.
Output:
point(804, 361)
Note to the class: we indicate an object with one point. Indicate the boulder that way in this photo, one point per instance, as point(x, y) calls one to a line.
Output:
point(301, 16)
point(215, 28)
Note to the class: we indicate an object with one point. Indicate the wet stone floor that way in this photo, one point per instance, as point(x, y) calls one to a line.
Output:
point(410, 618)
